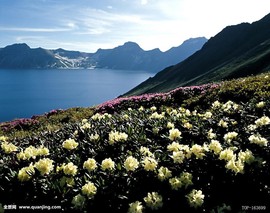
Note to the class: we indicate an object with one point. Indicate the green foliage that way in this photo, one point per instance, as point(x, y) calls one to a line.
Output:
point(204, 149)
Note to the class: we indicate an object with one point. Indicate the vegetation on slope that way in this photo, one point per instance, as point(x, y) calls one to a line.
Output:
point(237, 51)
point(193, 149)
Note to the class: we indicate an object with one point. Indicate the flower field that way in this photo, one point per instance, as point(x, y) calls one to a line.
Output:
point(194, 149)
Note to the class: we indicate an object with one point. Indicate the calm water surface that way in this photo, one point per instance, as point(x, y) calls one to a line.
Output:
point(24, 93)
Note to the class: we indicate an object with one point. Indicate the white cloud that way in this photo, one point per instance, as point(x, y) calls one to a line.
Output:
point(27, 29)
point(144, 2)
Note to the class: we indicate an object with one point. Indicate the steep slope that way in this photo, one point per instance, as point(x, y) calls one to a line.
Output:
point(236, 51)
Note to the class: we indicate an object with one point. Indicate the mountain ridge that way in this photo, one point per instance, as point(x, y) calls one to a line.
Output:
point(236, 51)
point(128, 56)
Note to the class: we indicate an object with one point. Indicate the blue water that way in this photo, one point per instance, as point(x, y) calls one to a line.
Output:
point(24, 93)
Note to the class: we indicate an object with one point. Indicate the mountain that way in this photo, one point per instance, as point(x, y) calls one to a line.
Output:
point(237, 51)
point(22, 56)
point(129, 56)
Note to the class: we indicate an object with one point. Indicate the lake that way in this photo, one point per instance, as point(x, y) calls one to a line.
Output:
point(25, 93)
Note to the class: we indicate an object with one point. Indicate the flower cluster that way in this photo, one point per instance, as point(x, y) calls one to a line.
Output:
point(145, 158)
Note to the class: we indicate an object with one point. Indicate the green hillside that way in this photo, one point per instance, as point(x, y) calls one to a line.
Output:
point(193, 149)
point(237, 51)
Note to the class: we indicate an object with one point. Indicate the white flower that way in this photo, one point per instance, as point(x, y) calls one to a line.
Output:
point(257, 139)
point(135, 207)
point(150, 164)
point(70, 144)
point(45, 166)
point(89, 189)
point(115, 136)
point(223, 123)
point(195, 198)
point(198, 151)
point(227, 154)
point(210, 134)
point(174, 134)
point(174, 147)
point(215, 146)
point(178, 157)
point(107, 164)
point(164, 173)
point(90, 164)
point(153, 200)
point(264, 120)
point(131, 163)
point(261, 104)
point(230, 136)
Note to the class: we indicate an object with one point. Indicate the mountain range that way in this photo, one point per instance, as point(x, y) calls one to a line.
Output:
point(237, 51)
point(129, 56)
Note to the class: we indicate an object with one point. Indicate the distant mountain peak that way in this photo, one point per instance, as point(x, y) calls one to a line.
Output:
point(21, 46)
point(130, 45)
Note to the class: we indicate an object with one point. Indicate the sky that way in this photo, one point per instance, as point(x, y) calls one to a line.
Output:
point(87, 25)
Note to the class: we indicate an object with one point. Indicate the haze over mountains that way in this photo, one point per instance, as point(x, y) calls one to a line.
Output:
point(236, 51)
point(129, 56)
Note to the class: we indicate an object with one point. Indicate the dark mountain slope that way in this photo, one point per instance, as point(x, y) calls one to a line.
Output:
point(236, 51)
point(21, 56)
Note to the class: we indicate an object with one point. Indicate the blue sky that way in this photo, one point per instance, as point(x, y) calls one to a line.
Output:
point(87, 25)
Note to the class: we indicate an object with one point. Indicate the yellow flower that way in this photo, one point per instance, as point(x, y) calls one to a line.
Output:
point(223, 123)
point(135, 207)
point(216, 104)
point(215, 146)
point(153, 108)
point(186, 179)
point(257, 139)
point(115, 136)
point(70, 144)
point(246, 156)
point(43, 151)
point(261, 104)
point(107, 164)
point(197, 150)
point(131, 163)
point(70, 169)
point(90, 164)
point(264, 120)
point(89, 189)
point(174, 134)
point(3, 138)
point(150, 164)
point(188, 125)
point(227, 154)
point(170, 125)
point(195, 198)
point(145, 151)
point(153, 200)
point(141, 109)
point(178, 157)
point(86, 126)
point(210, 134)
point(175, 183)
point(8, 147)
point(235, 166)
point(155, 115)
point(45, 166)
point(230, 136)
point(173, 147)
point(26, 173)
point(164, 173)
point(94, 137)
